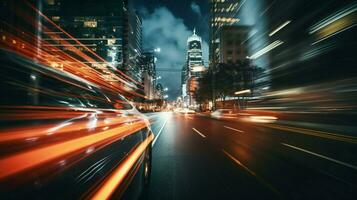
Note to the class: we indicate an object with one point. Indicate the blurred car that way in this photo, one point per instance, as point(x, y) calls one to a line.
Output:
point(187, 111)
point(62, 137)
point(224, 114)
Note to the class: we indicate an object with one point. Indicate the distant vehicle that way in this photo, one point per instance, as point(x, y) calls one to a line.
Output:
point(184, 111)
point(187, 111)
point(224, 114)
point(177, 110)
point(62, 137)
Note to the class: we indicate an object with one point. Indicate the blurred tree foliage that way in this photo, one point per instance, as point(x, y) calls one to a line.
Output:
point(225, 80)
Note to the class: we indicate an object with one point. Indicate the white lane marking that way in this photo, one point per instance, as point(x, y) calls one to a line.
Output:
point(158, 134)
point(252, 173)
point(233, 129)
point(238, 162)
point(199, 133)
point(321, 156)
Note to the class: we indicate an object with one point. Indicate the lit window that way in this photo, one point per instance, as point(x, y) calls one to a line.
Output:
point(111, 41)
point(55, 18)
point(90, 24)
point(51, 2)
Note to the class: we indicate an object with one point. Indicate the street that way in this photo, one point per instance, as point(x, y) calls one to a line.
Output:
point(176, 100)
point(195, 157)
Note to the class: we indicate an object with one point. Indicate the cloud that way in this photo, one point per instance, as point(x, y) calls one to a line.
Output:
point(162, 29)
point(195, 8)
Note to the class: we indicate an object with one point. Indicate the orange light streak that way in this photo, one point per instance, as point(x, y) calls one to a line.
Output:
point(118, 176)
point(27, 160)
point(78, 42)
point(69, 63)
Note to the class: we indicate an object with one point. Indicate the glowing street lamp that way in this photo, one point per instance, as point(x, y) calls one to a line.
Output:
point(157, 50)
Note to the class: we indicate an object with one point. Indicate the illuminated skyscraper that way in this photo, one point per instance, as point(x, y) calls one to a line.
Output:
point(194, 54)
point(193, 69)
point(222, 13)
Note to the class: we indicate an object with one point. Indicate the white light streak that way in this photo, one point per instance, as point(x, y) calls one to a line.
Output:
point(266, 49)
point(279, 28)
point(243, 92)
point(329, 20)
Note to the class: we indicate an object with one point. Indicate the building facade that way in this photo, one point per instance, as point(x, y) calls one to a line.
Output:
point(134, 46)
point(192, 70)
point(148, 71)
point(232, 47)
point(100, 29)
point(222, 13)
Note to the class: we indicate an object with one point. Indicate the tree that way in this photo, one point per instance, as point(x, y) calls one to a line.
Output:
point(204, 91)
point(225, 80)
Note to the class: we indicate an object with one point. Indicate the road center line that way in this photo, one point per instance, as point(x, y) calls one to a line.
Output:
point(158, 134)
point(252, 173)
point(321, 156)
point(238, 162)
point(199, 132)
point(233, 129)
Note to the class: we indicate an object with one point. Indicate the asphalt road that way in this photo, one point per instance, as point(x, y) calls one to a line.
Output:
point(196, 157)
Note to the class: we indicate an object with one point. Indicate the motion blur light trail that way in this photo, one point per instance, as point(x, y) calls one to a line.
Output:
point(73, 61)
point(63, 111)
point(117, 177)
point(22, 161)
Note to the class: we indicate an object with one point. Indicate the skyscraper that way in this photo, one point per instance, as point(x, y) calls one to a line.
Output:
point(148, 68)
point(222, 13)
point(193, 69)
point(134, 45)
point(232, 47)
point(99, 29)
point(194, 54)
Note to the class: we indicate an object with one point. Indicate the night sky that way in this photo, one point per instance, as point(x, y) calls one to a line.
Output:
point(167, 24)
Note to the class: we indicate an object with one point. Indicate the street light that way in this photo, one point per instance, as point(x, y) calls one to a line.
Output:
point(157, 50)
point(166, 89)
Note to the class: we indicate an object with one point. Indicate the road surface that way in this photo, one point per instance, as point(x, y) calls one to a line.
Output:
point(196, 157)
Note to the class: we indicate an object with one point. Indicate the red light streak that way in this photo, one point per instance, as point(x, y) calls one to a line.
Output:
point(23, 161)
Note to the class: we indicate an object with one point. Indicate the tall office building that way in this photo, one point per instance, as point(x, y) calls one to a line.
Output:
point(233, 47)
point(102, 31)
point(222, 13)
point(148, 70)
point(134, 45)
point(194, 54)
point(192, 70)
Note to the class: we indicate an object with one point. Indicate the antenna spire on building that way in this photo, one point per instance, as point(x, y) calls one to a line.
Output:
point(194, 30)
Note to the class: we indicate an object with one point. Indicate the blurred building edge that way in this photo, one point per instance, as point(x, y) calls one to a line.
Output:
point(111, 30)
point(134, 46)
point(227, 45)
point(192, 71)
point(228, 48)
point(222, 13)
point(232, 47)
point(9, 21)
point(148, 68)
point(101, 29)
